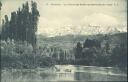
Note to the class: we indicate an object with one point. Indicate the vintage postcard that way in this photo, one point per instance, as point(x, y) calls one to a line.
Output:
point(63, 40)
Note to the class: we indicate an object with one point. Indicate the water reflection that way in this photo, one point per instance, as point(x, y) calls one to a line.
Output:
point(77, 73)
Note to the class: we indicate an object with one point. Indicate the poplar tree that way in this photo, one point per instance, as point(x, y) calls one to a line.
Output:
point(22, 25)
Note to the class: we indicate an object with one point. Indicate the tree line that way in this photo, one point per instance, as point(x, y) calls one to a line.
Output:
point(22, 25)
point(92, 53)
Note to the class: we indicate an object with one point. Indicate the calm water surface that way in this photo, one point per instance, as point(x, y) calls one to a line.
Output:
point(64, 73)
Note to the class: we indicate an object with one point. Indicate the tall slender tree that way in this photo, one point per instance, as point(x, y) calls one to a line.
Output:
point(22, 25)
point(78, 50)
point(34, 20)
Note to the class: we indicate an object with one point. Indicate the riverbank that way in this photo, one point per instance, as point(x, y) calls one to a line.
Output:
point(77, 73)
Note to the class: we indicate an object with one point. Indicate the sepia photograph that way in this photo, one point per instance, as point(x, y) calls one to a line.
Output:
point(63, 40)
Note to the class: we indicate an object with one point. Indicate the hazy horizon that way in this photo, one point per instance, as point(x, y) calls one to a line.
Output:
point(75, 19)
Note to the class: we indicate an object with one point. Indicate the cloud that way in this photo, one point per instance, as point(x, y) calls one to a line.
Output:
point(54, 26)
point(86, 25)
point(100, 19)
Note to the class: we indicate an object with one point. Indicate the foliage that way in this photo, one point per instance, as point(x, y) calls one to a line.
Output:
point(0, 5)
point(21, 55)
point(22, 25)
point(94, 54)
point(78, 50)
point(119, 55)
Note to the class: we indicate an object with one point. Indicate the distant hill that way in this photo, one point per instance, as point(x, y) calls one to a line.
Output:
point(69, 41)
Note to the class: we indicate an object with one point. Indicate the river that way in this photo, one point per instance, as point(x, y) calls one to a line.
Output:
point(58, 73)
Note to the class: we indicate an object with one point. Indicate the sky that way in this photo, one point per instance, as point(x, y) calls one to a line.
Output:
point(61, 17)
